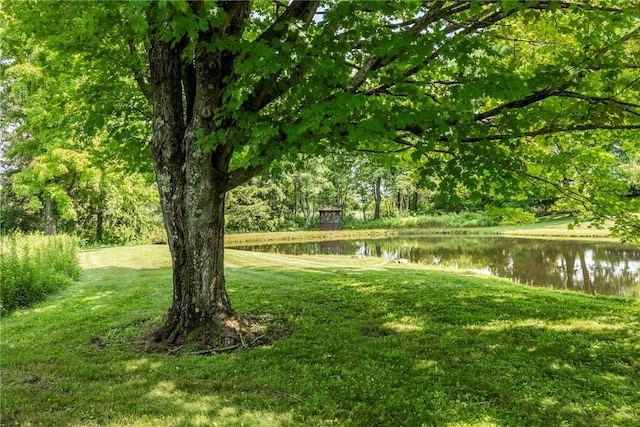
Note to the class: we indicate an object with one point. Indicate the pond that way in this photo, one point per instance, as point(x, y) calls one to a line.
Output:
point(587, 266)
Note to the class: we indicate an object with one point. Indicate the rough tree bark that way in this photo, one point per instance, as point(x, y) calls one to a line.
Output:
point(377, 197)
point(188, 78)
point(192, 183)
point(50, 228)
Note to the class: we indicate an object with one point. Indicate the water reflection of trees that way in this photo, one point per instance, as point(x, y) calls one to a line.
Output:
point(590, 267)
point(594, 268)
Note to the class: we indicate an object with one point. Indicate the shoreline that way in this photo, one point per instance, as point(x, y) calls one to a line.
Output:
point(552, 230)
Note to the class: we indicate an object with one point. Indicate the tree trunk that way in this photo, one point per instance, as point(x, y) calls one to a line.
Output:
point(295, 197)
point(407, 204)
point(100, 224)
point(192, 184)
point(200, 298)
point(50, 228)
point(307, 209)
point(377, 197)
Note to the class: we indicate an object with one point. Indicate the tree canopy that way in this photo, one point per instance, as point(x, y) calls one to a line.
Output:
point(481, 94)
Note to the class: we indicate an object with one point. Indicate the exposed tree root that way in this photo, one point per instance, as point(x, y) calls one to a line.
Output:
point(216, 350)
point(223, 334)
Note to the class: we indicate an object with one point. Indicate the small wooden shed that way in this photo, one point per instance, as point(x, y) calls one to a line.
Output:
point(329, 218)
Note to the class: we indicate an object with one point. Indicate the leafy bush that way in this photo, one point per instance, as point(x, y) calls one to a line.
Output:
point(33, 267)
point(511, 216)
point(470, 219)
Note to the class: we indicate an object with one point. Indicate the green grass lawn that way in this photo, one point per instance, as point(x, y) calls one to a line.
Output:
point(359, 345)
point(556, 227)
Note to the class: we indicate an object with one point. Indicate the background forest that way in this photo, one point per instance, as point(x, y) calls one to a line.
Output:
point(102, 200)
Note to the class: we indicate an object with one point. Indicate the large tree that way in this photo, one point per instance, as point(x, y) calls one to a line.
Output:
point(477, 91)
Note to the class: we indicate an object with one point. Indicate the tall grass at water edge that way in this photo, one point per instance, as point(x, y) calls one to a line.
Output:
point(445, 220)
point(33, 267)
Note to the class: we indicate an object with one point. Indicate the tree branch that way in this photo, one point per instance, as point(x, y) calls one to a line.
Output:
point(140, 79)
point(623, 39)
point(188, 78)
point(437, 12)
point(235, 10)
point(528, 41)
point(475, 23)
point(587, 202)
point(240, 176)
point(600, 100)
point(519, 103)
point(544, 4)
point(298, 10)
point(546, 131)
point(269, 88)
point(559, 90)
point(374, 151)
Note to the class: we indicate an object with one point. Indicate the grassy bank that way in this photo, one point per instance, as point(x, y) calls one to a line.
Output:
point(556, 228)
point(305, 236)
point(360, 345)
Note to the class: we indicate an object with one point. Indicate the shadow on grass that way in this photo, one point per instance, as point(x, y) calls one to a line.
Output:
point(367, 347)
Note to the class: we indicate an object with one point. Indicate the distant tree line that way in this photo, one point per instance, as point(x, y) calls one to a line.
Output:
point(69, 191)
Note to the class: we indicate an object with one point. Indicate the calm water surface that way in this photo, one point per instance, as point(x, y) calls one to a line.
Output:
point(590, 267)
